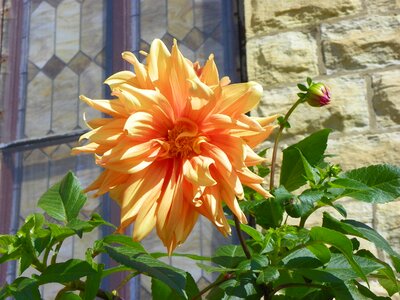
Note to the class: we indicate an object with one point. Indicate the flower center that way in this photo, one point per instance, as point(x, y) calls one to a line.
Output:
point(183, 139)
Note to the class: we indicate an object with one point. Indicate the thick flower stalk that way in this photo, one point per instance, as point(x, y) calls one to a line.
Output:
point(176, 144)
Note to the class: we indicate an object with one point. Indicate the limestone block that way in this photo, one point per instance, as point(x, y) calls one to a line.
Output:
point(380, 5)
point(386, 101)
point(263, 16)
point(388, 222)
point(388, 225)
point(283, 57)
point(347, 112)
point(354, 151)
point(362, 43)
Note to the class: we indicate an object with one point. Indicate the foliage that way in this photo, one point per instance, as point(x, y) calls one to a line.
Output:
point(280, 261)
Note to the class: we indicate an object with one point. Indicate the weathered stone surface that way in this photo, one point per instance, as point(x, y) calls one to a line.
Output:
point(367, 42)
point(356, 151)
point(263, 16)
point(374, 6)
point(386, 99)
point(283, 57)
point(388, 222)
point(347, 112)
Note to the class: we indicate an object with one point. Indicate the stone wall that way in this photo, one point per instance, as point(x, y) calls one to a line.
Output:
point(354, 47)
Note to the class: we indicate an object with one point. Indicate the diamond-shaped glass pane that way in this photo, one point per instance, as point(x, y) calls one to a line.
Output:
point(66, 56)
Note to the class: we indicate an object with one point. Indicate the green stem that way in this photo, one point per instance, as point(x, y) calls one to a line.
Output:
point(241, 238)
point(38, 265)
point(46, 256)
point(303, 220)
point(209, 287)
point(54, 257)
point(81, 286)
point(126, 280)
point(62, 291)
point(276, 143)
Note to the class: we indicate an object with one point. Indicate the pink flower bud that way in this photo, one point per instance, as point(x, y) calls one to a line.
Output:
point(318, 95)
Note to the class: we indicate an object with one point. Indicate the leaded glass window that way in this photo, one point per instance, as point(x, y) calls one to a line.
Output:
point(54, 50)
point(61, 47)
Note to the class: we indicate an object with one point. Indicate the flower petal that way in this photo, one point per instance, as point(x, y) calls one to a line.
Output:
point(209, 74)
point(111, 107)
point(121, 77)
point(197, 170)
point(159, 65)
point(140, 70)
point(142, 126)
point(239, 98)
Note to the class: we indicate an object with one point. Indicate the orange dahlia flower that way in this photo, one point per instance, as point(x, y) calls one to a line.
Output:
point(178, 144)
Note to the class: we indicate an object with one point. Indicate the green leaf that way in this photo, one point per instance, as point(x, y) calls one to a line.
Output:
point(373, 184)
point(269, 212)
point(256, 263)
point(64, 200)
point(317, 295)
point(267, 275)
point(245, 288)
point(219, 291)
point(96, 220)
point(14, 252)
point(70, 270)
point(160, 290)
point(191, 256)
point(387, 283)
point(340, 268)
point(191, 288)
point(302, 87)
point(229, 256)
point(93, 282)
point(310, 172)
point(215, 269)
point(321, 252)
point(59, 233)
point(124, 240)
point(337, 206)
point(312, 148)
point(346, 291)
point(69, 296)
point(146, 264)
point(368, 293)
point(302, 258)
point(303, 204)
point(359, 229)
point(254, 233)
point(6, 242)
point(340, 242)
point(24, 288)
